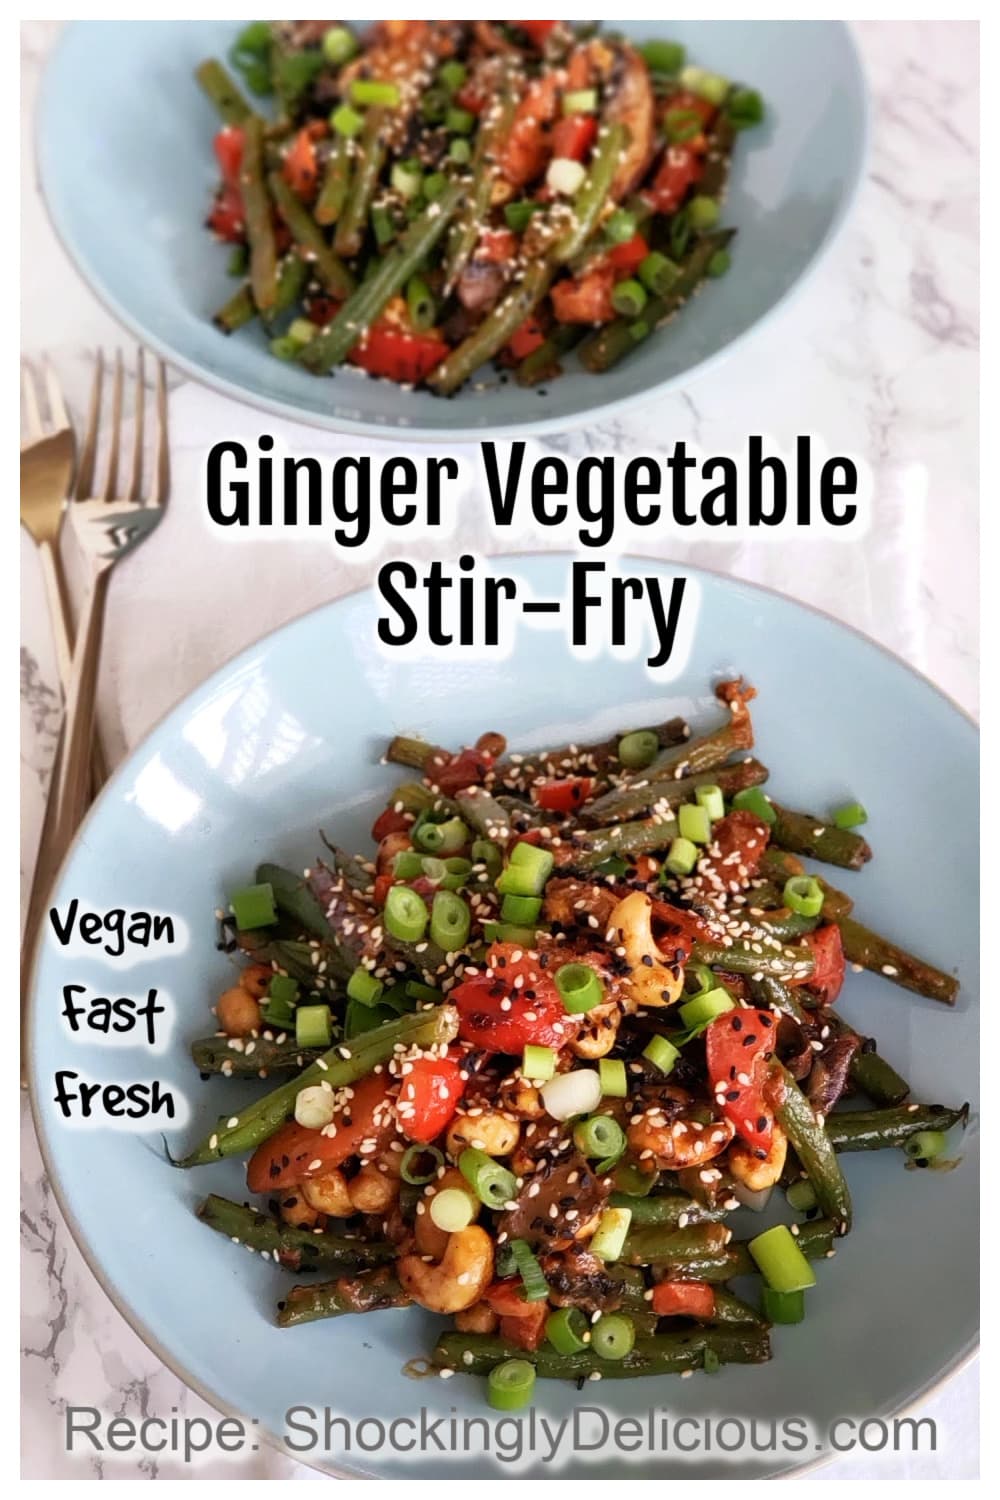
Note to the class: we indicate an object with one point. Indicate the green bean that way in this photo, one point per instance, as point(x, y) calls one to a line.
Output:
point(815, 1240)
point(368, 164)
point(877, 1129)
point(259, 223)
point(660, 1244)
point(214, 1054)
point(342, 1064)
point(680, 763)
point(361, 309)
point(464, 234)
point(215, 81)
point(239, 310)
point(665, 1209)
point(645, 797)
point(816, 1153)
point(371, 1291)
point(749, 957)
point(496, 329)
point(484, 813)
point(336, 183)
point(661, 1354)
point(593, 194)
point(408, 750)
point(880, 956)
point(294, 1248)
point(809, 836)
point(717, 159)
point(779, 865)
point(331, 271)
point(543, 363)
point(599, 757)
point(605, 348)
point(732, 1309)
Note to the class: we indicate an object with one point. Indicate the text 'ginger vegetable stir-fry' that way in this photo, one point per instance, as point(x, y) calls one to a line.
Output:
point(432, 195)
point(578, 1009)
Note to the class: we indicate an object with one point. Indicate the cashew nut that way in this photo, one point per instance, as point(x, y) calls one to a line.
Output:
point(457, 1280)
point(677, 1143)
point(430, 1240)
point(599, 1032)
point(651, 982)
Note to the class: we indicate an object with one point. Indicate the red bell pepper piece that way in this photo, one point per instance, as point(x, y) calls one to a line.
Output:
point(629, 257)
point(228, 147)
point(499, 1015)
point(573, 137)
point(679, 170)
point(295, 1153)
point(526, 339)
point(827, 978)
point(738, 1047)
point(227, 218)
point(388, 822)
point(397, 354)
point(684, 1299)
point(587, 300)
point(565, 795)
point(300, 167)
point(536, 30)
point(428, 1097)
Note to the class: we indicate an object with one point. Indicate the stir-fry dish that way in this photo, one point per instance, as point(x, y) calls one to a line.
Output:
point(428, 196)
point(578, 1009)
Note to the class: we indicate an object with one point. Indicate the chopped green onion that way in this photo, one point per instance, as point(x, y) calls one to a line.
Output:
point(521, 910)
point(705, 1008)
point(780, 1260)
point(613, 865)
point(510, 1385)
point(486, 852)
point(783, 1307)
point(663, 57)
point(612, 1230)
point(801, 1196)
point(460, 121)
point(434, 105)
point(613, 1336)
point(633, 1182)
point(703, 213)
point(452, 74)
point(364, 987)
point(579, 988)
point(580, 102)
point(415, 1174)
point(614, 1079)
point(283, 989)
point(459, 150)
point(536, 1288)
point(314, 1107)
point(492, 1183)
point(705, 980)
point(302, 330)
point(753, 800)
point(851, 815)
point(407, 177)
point(254, 906)
point(803, 895)
point(658, 273)
point(567, 1330)
point(441, 838)
point(423, 313)
point(383, 226)
point(567, 1096)
point(682, 856)
point(925, 1145)
point(682, 125)
point(661, 1053)
point(710, 86)
point(312, 1026)
point(527, 871)
point(285, 348)
point(456, 871)
point(279, 1013)
point(710, 798)
point(519, 215)
point(628, 298)
point(450, 921)
point(619, 229)
point(408, 865)
point(453, 1209)
point(405, 914)
point(680, 234)
point(744, 108)
point(538, 1064)
point(694, 823)
point(506, 932)
point(637, 750)
point(425, 994)
point(719, 263)
point(346, 121)
point(339, 45)
point(361, 1018)
point(434, 185)
point(370, 91)
point(598, 1137)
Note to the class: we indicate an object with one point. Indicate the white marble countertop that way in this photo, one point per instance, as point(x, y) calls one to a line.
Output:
point(877, 355)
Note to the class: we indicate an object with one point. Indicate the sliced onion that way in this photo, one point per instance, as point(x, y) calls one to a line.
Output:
point(755, 1200)
point(565, 175)
point(571, 1094)
point(314, 1107)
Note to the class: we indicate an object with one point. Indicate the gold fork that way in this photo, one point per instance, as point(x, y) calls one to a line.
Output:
point(107, 529)
point(48, 458)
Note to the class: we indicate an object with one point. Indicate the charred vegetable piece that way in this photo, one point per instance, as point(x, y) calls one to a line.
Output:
point(371, 1291)
point(295, 1249)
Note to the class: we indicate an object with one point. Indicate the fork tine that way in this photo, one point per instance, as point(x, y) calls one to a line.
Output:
point(33, 414)
point(111, 483)
point(135, 485)
point(57, 406)
point(161, 484)
point(83, 489)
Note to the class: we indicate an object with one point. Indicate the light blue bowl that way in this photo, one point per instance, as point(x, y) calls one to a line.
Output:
point(286, 740)
point(124, 145)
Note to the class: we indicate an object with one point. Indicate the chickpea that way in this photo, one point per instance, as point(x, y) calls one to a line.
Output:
point(238, 1012)
point(490, 1131)
point(329, 1194)
point(479, 1318)
point(256, 980)
point(430, 1240)
point(296, 1211)
point(372, 1191)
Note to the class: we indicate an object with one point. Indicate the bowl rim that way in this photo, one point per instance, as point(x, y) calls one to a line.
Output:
point(959, 1360)
point(388, 431)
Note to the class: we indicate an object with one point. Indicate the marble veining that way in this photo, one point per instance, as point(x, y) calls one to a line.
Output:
point(877, 355)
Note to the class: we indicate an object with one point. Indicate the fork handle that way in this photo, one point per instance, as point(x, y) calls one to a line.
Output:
point(62, 632)
point(69, 789)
